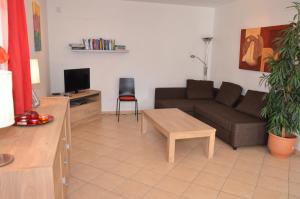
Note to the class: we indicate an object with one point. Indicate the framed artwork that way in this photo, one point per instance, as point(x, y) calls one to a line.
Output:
point(37, 26)
point(257, 45)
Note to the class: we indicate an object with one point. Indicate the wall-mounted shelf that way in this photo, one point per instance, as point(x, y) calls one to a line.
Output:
point(102, 51)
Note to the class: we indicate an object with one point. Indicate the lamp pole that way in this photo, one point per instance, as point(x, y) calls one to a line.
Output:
point(207, 41)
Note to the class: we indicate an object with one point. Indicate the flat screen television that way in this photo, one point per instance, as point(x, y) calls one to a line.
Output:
point(77, 79)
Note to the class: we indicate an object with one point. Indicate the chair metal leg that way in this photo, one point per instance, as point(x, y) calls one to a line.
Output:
point(137, 111)
point(119, 111)
point(135, 108)
point(117, 106)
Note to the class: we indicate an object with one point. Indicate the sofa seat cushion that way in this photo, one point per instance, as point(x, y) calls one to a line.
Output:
point(185, 105)
point(224, 116)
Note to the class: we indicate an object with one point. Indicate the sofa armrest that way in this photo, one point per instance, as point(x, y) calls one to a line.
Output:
point(170, 93)
point(247, 134)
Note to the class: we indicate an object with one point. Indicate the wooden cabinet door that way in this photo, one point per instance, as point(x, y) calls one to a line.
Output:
point(58, 174)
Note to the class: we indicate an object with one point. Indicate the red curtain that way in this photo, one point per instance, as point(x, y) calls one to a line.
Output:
point(18, 51)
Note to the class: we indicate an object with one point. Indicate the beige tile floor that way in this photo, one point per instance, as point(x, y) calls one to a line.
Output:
point(112, 160)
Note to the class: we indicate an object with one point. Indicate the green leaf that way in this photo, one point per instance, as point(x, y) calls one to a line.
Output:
point(282, 109)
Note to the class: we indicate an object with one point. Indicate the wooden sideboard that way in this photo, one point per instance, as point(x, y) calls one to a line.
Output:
point(42, 153)
point(84, 104)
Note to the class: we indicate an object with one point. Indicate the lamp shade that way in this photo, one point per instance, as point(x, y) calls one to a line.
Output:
point(6, 99)
point(34, 71)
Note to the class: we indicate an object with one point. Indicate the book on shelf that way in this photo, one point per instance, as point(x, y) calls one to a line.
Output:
point(101, 44)
point(97, 44)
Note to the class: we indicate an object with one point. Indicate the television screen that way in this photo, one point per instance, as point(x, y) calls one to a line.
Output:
point(77, 79)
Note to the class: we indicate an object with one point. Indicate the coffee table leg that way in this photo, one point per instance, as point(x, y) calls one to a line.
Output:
point(211, 146)
point(171, 150)
point(144, 124)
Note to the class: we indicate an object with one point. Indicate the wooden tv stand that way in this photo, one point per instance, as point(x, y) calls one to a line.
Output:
point(84, 104)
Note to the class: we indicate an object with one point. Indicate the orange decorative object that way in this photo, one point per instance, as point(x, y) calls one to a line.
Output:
point(3, 56)
point(281, 147)
point(32, 118)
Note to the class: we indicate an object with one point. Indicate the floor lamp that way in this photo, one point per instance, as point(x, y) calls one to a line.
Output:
point(207, 41)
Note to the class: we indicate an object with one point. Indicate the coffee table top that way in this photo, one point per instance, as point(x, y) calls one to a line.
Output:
point(174, 120)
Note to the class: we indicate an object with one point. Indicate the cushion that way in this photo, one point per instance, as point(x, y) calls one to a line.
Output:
point(229, 93)
point(223, 115)
point(252, 103)
point(127, 98)
point(182, 104)
point(198, 89)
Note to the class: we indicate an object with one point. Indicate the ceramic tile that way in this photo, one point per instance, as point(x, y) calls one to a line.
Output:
point(295, 165)
point(172, 185)
point(217, 169)
point(293, 197)
point(89, 191)
point(197, 192)
point(277, 163)
point(273, 184)
point(282, 174)
point(262, 193)
point(224, 195)
point(107, 155)
point(108, 181)
point(85, 157)
point(294, 189)
point(209, 180)
point(294, 177)
point(159, 194)
point(147, 177)
point(243, 176)
point(239, 189)
point(184, 173)
point(197, 165)
point(125, 170)
point(74, 184)
point(104, 163)
point(248, 166)
point(84, 172)
point(132, 189)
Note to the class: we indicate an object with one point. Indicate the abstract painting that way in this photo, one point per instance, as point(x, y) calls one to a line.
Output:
point(257, 45)
point(37, 26)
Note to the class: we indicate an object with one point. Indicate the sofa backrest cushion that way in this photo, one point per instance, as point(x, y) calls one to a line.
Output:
point(170, 93)
point(252, 103)
point(198, 89)
point(229, 93)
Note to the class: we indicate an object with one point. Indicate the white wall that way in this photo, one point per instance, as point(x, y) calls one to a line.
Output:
point(229, 20)
point(42, 89)
point(160, 38)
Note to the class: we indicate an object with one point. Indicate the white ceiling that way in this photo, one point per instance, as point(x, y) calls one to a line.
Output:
point(206, 3)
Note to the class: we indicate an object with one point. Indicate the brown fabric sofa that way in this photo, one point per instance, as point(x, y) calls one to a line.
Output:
point(238, 123)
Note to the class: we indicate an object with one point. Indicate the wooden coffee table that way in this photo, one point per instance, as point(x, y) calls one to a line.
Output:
point(175, 125)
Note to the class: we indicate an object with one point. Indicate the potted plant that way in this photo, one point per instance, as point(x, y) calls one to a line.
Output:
point(282, 110)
